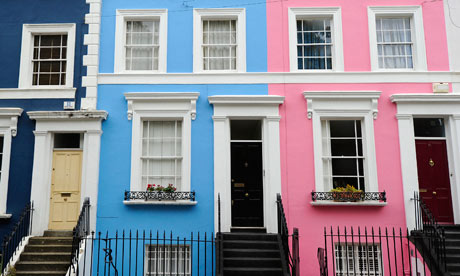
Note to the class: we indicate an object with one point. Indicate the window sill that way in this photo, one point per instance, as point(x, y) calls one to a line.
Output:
point(5, 216)
point(337, 203)
point(49, 92)
point(160, 202)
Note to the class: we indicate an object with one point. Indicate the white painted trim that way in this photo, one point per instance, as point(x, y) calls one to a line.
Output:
point(48, 123)
point(120, 38)
point(362, 203)
point(161, 202)
point(18, 251)
point(265, 108)
point(8, 129)
point(234, 13)
point(333, 13)
point(452, 20)
point(5, 216)
point(446, 106)
point(160, 105)
point(37, 93)
point(418, 34)
point(91, 59)
point(361, 105)
point(28, 31)
point(281, 77)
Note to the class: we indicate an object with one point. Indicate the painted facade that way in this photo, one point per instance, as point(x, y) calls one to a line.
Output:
point(32, 108)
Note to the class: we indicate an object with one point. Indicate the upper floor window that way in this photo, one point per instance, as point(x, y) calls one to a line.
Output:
point(219, 40)
point(315, 39)
point(141, 41)
point(47, 55)
point(397, 38)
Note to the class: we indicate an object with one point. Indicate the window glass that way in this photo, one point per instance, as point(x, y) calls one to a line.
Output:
point(429, 127)
point(219, 44)
point(314, 44)
point(343, 159)
point(164, 259)
point(49, 59)
point(162, 153)
point(246, 129)
point(358, 259)
point(142, 45)
point(394, 42)
point(67, 140)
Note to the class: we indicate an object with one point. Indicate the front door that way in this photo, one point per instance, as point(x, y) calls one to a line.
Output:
point(65, 189)
point(247, 184)
point(433, 178)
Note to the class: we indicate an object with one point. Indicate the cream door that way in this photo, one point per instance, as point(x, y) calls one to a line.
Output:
point(65, 189)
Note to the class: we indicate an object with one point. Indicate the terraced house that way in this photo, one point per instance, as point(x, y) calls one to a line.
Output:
point(250, 137)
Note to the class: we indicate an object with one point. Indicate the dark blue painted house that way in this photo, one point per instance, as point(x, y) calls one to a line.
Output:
point(49, 131)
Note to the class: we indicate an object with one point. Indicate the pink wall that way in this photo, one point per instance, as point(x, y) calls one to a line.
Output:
point(355, 31)
point(297, 165)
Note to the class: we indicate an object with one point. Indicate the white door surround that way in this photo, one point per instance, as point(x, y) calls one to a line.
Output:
point(265, 108)
point(48, 123)
point(445, 106)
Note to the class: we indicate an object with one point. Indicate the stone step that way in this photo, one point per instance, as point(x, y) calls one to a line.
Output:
point(41, 273)
point(58, 233)
point(42, 266)
point(252, 262)
point(251, 253)
point(250, 245)
point(254, 271)
point(45, 256)
point(50, 241)
point(48, 248)
point(250, 236)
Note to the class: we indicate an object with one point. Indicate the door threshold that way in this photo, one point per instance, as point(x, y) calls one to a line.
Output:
point(238, 229)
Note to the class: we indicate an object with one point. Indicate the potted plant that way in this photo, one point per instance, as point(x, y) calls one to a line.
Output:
point(159, 192)
point(347, 194)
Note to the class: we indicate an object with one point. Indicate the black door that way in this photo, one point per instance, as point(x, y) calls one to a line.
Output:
point(247, 187)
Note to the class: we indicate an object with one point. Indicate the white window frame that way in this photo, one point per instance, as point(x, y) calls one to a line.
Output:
point(8, 129)
point(26, 66)
point(345, 259)
point(344, 105)
point(182, 249)
point(238, 14)
point(418, 35)
point(332, 13)
point(120, 38)
point(160, 106)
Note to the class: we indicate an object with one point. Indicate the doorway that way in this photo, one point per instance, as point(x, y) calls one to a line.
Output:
point(246, 173)
point(65, 181)
point(433, 167)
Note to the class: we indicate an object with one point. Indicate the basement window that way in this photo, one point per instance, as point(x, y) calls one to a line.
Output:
point(174, 260)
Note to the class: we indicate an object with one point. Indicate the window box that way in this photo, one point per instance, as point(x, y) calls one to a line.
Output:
point(159, 196)
point(348, 196)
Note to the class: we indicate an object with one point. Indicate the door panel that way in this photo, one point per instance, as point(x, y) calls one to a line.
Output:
point(433, 178)
point(247, 184)
point(65, 189)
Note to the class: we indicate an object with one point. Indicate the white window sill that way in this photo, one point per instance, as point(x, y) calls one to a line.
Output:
point(5, 216)
point(359, 203)
point(49, 92)
point(160, 202)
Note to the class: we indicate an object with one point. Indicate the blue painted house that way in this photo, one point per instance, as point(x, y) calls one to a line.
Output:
point(49, 129)
point(181, 82)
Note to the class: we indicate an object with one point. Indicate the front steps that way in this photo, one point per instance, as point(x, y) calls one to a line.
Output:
point(46, 256)
point(452, 234)
point(254, 254)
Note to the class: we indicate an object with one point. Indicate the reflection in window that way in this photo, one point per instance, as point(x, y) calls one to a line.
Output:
point(314, 44)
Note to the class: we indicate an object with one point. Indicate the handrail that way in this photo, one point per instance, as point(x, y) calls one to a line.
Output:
point(426, 223)
point(80, 231)
point(21, 229)
point(291, 257)
point(219, 242)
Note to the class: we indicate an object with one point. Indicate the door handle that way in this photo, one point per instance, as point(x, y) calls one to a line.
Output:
point(434, 193)
point(246, 194)
point(431, 163)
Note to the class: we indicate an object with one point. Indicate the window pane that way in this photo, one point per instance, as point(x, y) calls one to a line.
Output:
point(314, 40)
point(342, 128)
point(344, 166)
point(394, 42)
point(429, 127)
point(246, 129)
point(219, 44)
point(343, 147)
point(142, 44)
point(49, 56)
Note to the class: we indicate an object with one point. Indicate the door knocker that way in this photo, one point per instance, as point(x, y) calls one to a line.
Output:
point(431, 163)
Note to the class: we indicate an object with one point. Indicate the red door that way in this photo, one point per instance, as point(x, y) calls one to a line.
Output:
point(433, 178)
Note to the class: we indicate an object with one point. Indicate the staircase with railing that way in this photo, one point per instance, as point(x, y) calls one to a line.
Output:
point(291, 254)
point(79, 232)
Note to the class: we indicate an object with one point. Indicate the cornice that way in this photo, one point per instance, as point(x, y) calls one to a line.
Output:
point(67, 115)
point(246, 99)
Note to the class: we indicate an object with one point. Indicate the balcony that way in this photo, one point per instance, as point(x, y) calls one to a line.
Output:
point(349, 198)
point(159, 198)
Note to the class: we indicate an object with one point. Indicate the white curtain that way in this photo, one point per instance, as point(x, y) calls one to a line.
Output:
point(142, 43)
point(219, 44)
point(394, 42)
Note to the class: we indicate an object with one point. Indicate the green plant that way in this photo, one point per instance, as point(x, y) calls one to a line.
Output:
point(11, 271)
point(348, 193)
point(348, 188)
point(158, 188)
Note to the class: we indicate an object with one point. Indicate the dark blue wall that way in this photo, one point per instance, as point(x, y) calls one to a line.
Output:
point(13, 14)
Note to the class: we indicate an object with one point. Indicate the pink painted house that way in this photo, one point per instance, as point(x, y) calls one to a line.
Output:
point(368, 103)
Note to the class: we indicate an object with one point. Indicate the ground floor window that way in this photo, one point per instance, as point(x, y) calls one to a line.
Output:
point(358, 259)
point(161, 259)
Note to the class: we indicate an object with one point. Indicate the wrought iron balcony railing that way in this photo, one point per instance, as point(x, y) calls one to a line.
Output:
point(143, 195)
point(349, 196)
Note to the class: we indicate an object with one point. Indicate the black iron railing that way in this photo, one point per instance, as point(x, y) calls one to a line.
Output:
point(219, 243)
point(21, 229)
point(143, 195)
point(371, 251)
point(291, 255)
point(148, 253)
point(80, 231)
point(349, 196)
point(429, 229)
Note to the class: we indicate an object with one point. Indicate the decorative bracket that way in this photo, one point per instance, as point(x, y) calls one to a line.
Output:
point(193, 109)
point(309, 109)
point(375, 110)
point(130, 110)
point(14, 126)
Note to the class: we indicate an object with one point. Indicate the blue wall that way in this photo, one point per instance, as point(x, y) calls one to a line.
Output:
point(180, 31)
point(115, 168)
point(13, 14)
